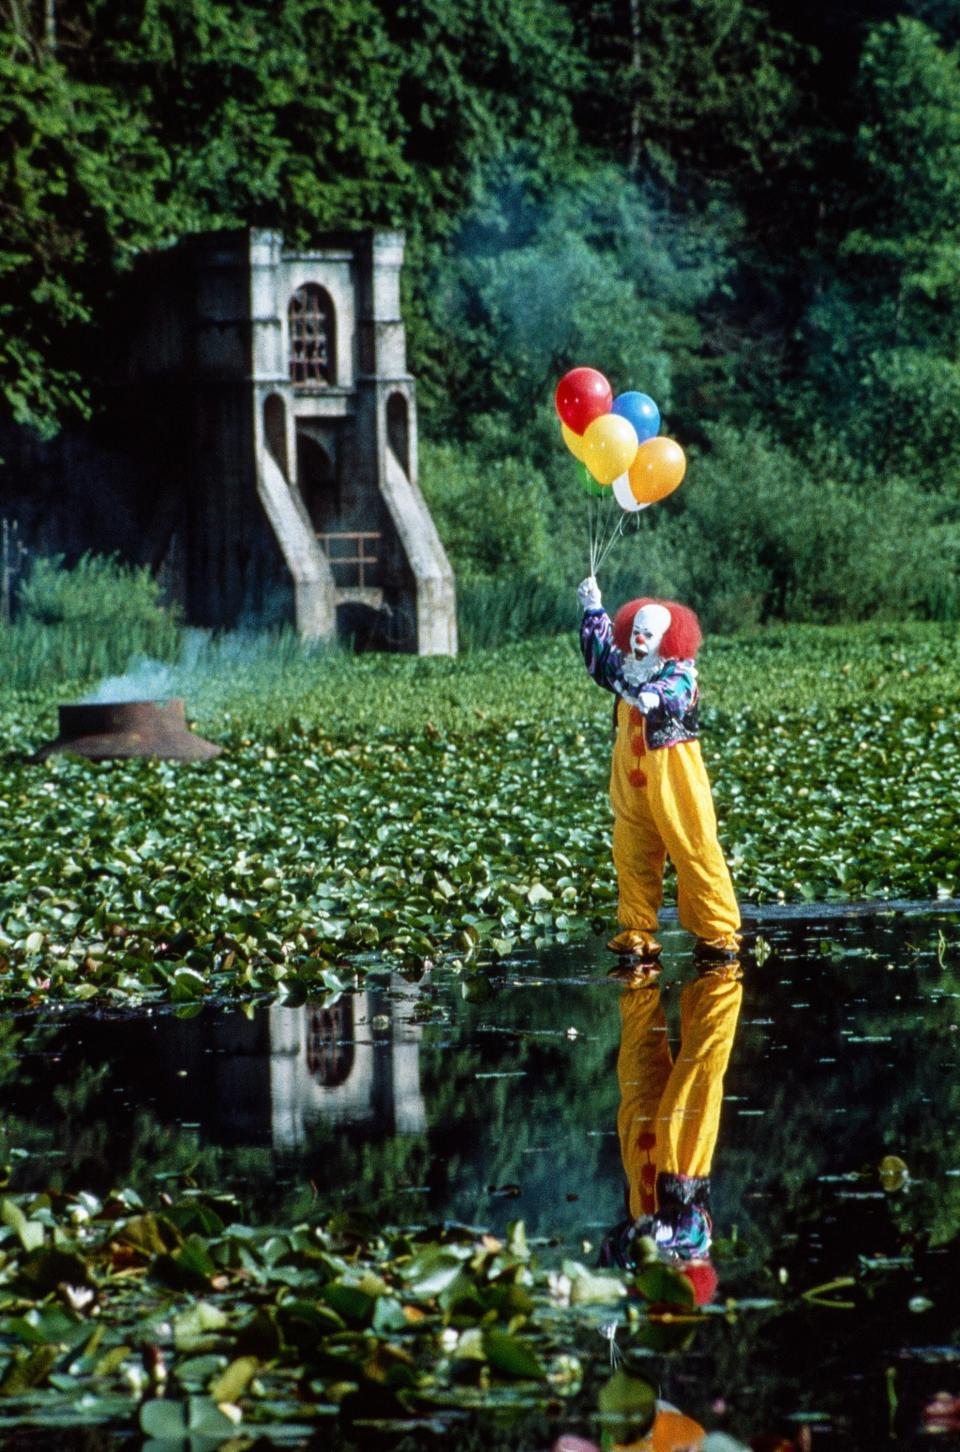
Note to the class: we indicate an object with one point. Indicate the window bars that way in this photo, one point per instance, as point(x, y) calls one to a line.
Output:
point(310, 316)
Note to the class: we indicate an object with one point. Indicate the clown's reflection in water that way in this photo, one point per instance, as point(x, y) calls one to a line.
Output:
point(669, 1117)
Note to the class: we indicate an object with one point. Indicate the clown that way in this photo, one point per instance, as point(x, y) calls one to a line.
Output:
point(659, 791)
point(669, 1119)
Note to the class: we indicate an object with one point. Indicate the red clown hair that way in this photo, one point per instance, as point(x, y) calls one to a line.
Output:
point(683, 635)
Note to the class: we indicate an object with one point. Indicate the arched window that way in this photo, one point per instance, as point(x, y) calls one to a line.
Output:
point(398, 429)
point(313, 337)
point(330, 1052)
point(275, 430)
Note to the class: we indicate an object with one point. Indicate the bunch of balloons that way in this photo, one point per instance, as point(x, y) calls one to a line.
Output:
point(616, 441)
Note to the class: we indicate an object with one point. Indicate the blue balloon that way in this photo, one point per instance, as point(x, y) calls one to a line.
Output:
point(641, 411)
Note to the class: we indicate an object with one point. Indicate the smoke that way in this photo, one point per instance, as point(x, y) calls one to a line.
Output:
point(210, 667)
point(146, 680)
point(154, 680)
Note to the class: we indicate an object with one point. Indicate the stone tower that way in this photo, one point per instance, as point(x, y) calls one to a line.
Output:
point(335, 440)
point(256, 443)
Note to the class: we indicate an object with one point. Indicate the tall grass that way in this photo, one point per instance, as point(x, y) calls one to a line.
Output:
point(82, 623)
point(496, 612)
point(520, 660)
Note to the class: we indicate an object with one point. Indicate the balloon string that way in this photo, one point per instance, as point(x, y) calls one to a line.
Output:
point(621, 526)
point(604, 527)
point(603, 516)
point(598, 532)
point(615, 534)
point(606, 538)
point(597, 537)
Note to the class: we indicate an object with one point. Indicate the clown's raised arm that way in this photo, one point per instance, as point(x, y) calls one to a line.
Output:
point(637, 672)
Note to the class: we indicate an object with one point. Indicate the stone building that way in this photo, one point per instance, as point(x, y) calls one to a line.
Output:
point(257, 444)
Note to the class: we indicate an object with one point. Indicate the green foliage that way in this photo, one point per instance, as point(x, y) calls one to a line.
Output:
point(909, 139)
point(490, 513)
point(96, 588)
point(539, 280)
point(85, 622)
point(79, 173)
point(466, 816)
point(270, 114)
point(128, 125)
point(275, 1326)
point(766, 534)
point(663, 192)
point(883, 335)
point(477, 80)
point(492, 613)
point(178, 1314)
point(536, 282)
point(710, 88)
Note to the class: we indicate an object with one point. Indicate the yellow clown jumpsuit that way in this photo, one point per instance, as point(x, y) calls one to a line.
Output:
point(661, 799)
point(669, 1111)
point(663, 807)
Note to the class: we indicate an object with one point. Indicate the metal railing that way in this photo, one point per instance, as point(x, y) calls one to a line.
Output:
point(365, 555)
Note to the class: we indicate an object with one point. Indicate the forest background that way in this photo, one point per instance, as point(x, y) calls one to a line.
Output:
point(749, 211)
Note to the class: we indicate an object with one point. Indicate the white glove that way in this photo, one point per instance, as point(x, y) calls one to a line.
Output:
point(588, 593)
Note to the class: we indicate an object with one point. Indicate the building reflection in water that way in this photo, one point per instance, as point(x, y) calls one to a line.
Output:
point(272, 1078)
point(329, 1064)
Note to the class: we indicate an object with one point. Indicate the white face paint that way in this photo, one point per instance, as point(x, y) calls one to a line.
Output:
point(650, 625)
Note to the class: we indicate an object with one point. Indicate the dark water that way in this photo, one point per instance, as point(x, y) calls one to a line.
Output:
point(492, 1100)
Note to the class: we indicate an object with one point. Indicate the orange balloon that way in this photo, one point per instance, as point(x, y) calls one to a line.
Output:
point(574, 442)
point(609, 446)
point(657, 469)
point(673, 1431)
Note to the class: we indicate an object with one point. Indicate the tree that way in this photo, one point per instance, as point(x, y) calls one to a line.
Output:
point(884, 337)
point(126, 125)
point(539, 281)
point(148, 121)
point(691, 91)
point(270, 114)
point(478, 80)
point(78, 177)
point(714, 102)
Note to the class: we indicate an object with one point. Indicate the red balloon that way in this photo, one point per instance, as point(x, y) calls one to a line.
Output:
point(582, 395)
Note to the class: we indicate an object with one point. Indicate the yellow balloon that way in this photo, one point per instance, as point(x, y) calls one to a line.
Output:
point(657, 469)
point(574, 442)
point(609, 446)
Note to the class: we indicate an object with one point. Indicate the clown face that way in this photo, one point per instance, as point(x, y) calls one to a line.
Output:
point(650, 625)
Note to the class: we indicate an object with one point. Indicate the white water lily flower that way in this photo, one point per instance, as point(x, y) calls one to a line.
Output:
point(559, 1287)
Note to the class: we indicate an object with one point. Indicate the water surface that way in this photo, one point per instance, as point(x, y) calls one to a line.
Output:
point(492, 1097)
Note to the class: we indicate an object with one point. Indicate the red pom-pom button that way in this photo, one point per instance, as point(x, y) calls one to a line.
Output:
point(636, 716)
point(637, 779)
